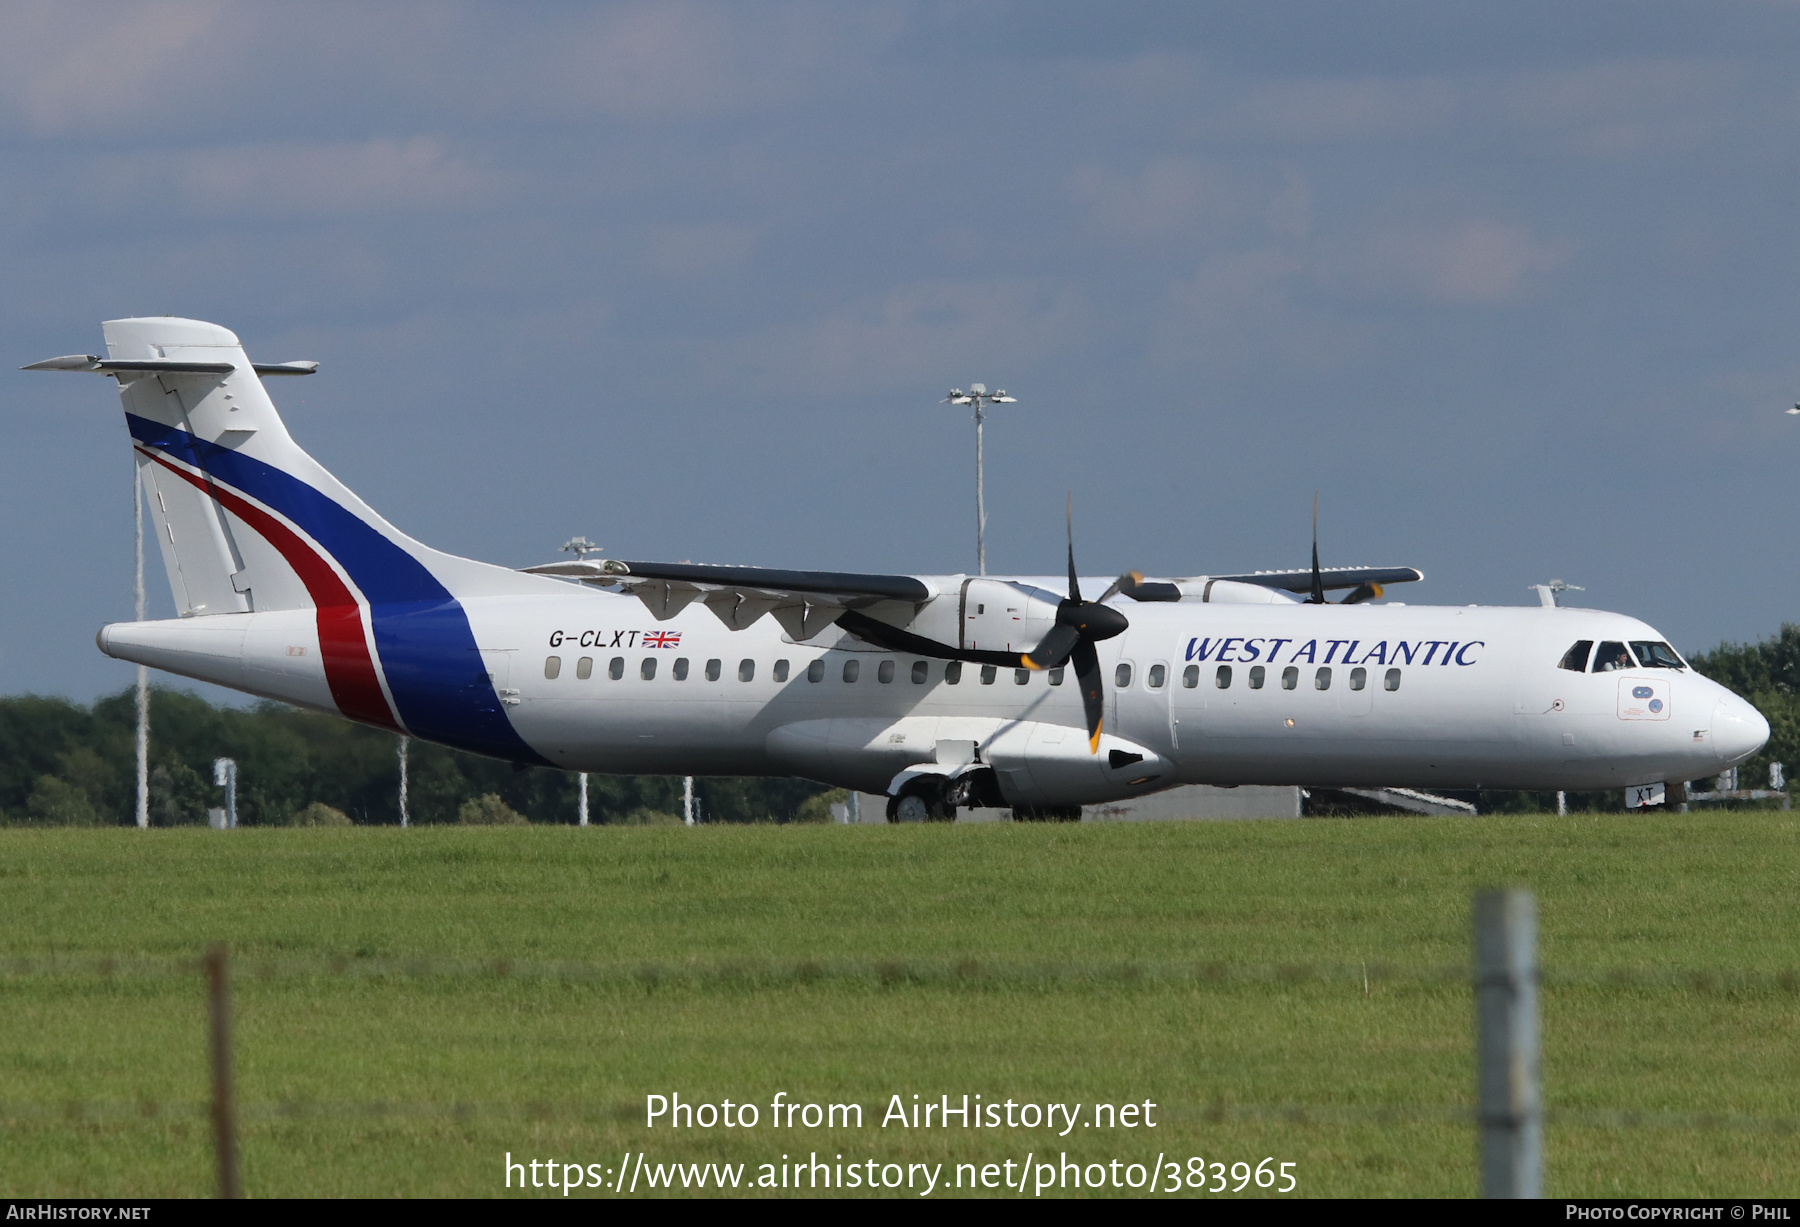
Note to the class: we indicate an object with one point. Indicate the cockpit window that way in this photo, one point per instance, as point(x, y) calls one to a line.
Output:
point(1575, 659)
point(1654, 654)
point(1611, 656)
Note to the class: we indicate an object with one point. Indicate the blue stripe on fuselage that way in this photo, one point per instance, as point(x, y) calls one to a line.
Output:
point(427, 648)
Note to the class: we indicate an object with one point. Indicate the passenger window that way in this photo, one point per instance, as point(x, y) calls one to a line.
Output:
point(1156, 677)
point(746, 670)
point(615, 668)
point(1256, 677)
point(1190, 676)
point(884, 672)
point(1222, 678)
point(1021, 676)
point(1611, 656)
point(584, 668)
point(1056, 676)
point(781, 670)
point(1392, 681)
point(1575, 659)
point(815, 672)
point(552, 666)
point(988, 674)
point(1290, 677)
point(852, 669)
point(920, 672)
point(1322, 679)
point(1122, 676)
point(1359, 678)
point(953, 673)
point(681, 668)
point(1655, 655)
point(712, 669)
point(647, 670)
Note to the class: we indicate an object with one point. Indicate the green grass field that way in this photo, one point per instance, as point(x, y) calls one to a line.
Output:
point(1213, 968)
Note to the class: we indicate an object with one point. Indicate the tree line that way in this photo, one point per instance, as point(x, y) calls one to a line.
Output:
point(64, 764)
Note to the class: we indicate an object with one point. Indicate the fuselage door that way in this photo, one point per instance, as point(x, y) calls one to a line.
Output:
point(498, 662)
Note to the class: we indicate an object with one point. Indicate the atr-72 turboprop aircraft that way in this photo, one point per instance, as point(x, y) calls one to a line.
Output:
point(939, 690)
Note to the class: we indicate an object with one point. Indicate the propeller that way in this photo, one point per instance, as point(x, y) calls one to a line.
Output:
point(1363, 592)
point(1079, 626)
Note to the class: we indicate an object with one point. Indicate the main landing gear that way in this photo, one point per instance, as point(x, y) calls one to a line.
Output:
point(932, 798)
point(923, 799)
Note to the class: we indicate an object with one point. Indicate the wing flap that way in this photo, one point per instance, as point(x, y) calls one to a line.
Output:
point(804, 602)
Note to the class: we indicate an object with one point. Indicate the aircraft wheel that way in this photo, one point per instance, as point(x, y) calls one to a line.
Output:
point(922, 801)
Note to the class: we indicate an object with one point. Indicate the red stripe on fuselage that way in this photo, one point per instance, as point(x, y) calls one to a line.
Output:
point(349, 670)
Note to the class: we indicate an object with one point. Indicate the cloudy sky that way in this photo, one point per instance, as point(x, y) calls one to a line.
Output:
point(1514, 287)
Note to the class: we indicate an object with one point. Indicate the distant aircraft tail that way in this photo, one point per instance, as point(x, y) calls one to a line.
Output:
point(249, 523)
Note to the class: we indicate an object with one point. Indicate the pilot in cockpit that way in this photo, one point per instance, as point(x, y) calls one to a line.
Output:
point(1611, 656)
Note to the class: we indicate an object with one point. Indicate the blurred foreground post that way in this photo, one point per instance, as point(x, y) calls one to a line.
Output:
point(224, 1097)
point(1510, 1107)
point(402, 754)
point(581, 812)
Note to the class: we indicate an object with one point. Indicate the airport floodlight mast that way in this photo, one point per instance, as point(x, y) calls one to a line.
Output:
point(143, 673)
point(581, 547)
point(981, 398)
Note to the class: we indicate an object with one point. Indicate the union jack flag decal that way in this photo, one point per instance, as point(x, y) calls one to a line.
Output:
point(663, 639)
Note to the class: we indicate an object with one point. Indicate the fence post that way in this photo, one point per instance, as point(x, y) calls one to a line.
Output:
point(224, 1099)
point(1510, 1111)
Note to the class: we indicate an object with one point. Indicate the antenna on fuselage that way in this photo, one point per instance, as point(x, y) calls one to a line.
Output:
point(1547, 593)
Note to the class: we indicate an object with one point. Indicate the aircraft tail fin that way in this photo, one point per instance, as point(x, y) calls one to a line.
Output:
point(250, 523)
point(245, 518)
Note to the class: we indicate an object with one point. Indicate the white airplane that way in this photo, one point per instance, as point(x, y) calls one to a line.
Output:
point(940, 691)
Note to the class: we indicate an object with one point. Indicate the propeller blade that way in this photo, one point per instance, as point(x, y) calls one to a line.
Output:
point(1093, 698)
point(1363, 592)
point(1055, 648)
point(1074, 583)
point(1131, 579)
point(883, 635)
point(1318, 582)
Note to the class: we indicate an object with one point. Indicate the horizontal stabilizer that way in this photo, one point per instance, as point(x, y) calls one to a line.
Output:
point(162, 366)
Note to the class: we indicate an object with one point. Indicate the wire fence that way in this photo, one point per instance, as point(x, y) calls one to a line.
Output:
point(960, 972)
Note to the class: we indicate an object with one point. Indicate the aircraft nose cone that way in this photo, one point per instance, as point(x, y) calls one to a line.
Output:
point(1738, 730)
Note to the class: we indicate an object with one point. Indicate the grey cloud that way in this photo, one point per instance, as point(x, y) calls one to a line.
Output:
point(296, 180)
point(919, 334)
point(1473, 262)
point(77, 65)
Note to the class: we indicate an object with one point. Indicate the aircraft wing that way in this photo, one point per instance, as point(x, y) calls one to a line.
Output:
point(1332, 577)
point(804, 602)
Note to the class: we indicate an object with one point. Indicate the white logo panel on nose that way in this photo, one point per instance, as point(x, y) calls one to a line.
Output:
point(1643, 698)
